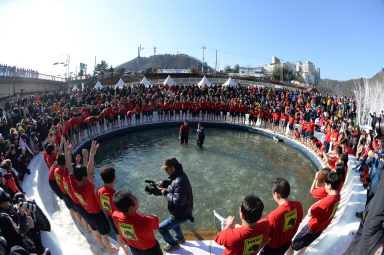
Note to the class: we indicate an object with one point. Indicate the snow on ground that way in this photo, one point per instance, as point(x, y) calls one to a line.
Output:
point(67, 237)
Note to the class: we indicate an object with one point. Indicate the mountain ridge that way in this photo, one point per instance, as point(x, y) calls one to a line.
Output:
point(179, 61)
point(347, 87)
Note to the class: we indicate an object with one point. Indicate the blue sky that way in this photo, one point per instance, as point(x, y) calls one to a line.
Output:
point(345, 38)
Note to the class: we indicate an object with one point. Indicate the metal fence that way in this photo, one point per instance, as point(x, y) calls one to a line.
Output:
point(50, 77)
point(217, 81)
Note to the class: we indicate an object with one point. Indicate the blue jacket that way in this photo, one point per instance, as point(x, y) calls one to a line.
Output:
point(179, 195)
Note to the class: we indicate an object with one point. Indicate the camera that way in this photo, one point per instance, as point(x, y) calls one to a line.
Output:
point(26, 205)
point(152, 189)
point(379, 127)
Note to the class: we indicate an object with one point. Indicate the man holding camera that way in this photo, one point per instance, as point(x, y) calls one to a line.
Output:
point(178, 191)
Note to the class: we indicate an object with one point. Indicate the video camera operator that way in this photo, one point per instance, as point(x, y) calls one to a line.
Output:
point(178, 191)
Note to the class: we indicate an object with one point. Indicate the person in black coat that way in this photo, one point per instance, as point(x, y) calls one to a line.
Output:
point(369, 239)
point(178, 191)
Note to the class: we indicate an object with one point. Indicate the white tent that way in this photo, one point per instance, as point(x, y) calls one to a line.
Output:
point(145, 82)
point(169, 81)
point(98, 85)
point(75, 88)
point(120, 84)
point(230, 82)
point(204, 81)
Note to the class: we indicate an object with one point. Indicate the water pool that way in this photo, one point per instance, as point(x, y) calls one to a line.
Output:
point(231, 165)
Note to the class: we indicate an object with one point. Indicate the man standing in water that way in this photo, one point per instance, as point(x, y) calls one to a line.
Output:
point(184, 133)
point(178, 192)
point(200, 135)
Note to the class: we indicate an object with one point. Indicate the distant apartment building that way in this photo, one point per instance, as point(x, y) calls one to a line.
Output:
point(258, 72)
point(310, 74)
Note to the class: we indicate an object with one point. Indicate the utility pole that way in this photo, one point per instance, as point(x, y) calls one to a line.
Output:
point(154, 55)
point(138, 57)
point(216, 63)
point(94, 67)
point(202, 67)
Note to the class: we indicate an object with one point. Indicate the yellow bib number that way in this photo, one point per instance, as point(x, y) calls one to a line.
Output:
point(127, 231)
point(252, 245)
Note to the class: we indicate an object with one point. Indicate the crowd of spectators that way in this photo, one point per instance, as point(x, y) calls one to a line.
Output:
point(23, 129)
point(69, 118)
point(14, 71)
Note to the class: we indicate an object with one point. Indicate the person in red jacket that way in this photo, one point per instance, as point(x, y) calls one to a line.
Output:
point(102, 117)
point(137, 112)
point(184, 132)
point(283, 221)
point(276, 120)
point(237, 112)
point(297, 134)
point(81, 181)
point(321, 214)
point(177, 109)
point(184, 108)
point(291, 122)
point(232, 112)
point(249, 237)
point(284, 123)
point(50, 154)
point(135, 229)
point(224, 109)
point(122, 111)
point(304, 127)
point(129, 117)
point(334, 136)
point(310, 131)
point(159, 107)
point(104, 196)
point(318, 186)
point(59, 174)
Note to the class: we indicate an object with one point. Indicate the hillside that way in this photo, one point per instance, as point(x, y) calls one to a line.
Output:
point(346, 88)
point(180, 61)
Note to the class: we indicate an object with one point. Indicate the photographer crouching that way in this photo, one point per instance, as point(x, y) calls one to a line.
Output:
point(178, 191)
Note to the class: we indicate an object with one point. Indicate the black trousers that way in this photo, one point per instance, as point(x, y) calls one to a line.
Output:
point(155, 250)
point(200, 141)
point(184, 139)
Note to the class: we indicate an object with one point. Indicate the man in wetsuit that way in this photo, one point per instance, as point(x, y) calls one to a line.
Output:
point(200, 135)
point(184, 132)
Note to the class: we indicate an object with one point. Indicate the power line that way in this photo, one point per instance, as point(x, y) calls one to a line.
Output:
point(237, 54)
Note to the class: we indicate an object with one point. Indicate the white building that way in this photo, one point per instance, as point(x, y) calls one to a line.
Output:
point(307, 70)
point(317, 77)
point(275, 60)
point(258, 72)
